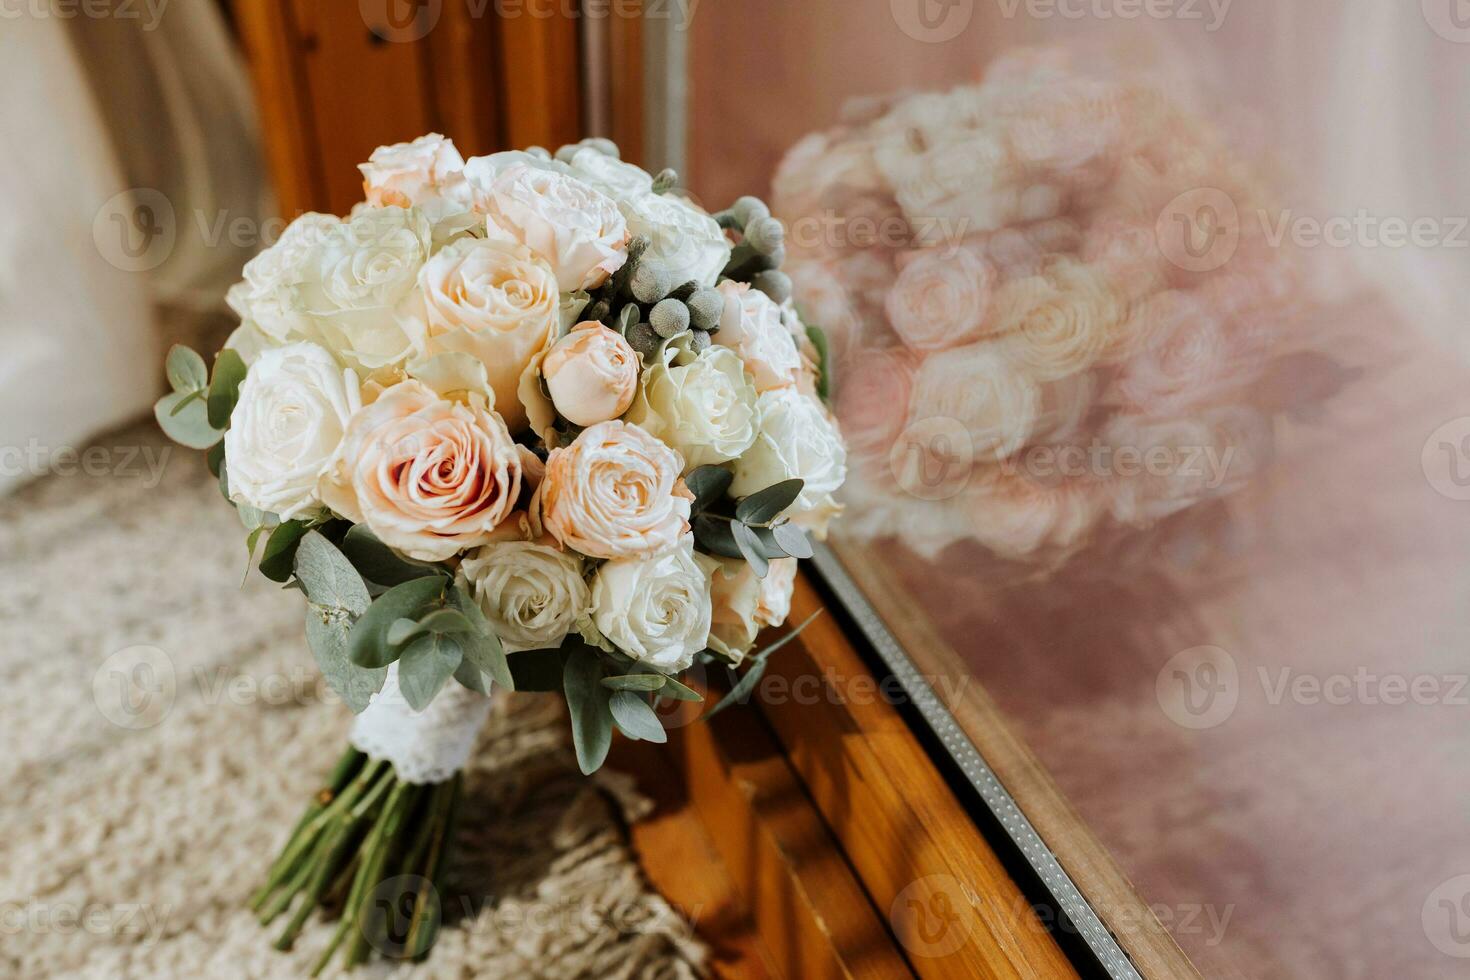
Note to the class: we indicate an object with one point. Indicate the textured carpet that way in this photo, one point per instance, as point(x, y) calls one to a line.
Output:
point(143, 791)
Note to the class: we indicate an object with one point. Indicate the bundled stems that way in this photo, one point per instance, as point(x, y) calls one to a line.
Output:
point(379, 841)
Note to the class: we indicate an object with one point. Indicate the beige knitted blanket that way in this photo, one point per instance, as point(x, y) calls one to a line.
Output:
point(163, 727)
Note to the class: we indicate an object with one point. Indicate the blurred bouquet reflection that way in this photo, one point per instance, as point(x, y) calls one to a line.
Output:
point(1050, 322)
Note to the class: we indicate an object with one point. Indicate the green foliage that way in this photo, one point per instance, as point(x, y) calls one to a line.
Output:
point(635, 717)
point(482, 648)
point(766, 505)
point(336, 596)
point(756, 668)
point(709, 485)
point(634, 682)
point(818, 337)
point(197, 412)
point(588, 703)
point(185, 369)
point(224, 390)
point(368, 643)
point(427, 662)
point(278, 561)
point(184, 417)
point(750, 547)
point(379, 563)
point(751, 533)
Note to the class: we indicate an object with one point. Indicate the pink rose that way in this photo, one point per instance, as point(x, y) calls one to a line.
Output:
point(615, 492)
point(430, 477)
point(940, 299)
point(591, 373)
point(755, 328)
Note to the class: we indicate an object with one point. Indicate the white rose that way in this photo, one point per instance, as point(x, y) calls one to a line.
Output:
point(995, 402)
point(682, 239)
point(357, 291)
point(268, 294)
point(576, 229)
point(797, 440)
point(497, 302)
point(480, 172)
point(743, 603)
point(533, 594)
point(655, 610)
point(753, 326)
point(428, 170)
point(704, 407)
point(618, 180)
point(294, 406)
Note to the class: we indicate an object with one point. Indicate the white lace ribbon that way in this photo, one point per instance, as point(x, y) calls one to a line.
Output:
point(426, 746)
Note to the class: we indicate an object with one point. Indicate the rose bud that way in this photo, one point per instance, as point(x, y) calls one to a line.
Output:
point(591, 374)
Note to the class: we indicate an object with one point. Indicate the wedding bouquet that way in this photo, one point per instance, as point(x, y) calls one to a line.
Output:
point(1055, 317)
point(529, 421)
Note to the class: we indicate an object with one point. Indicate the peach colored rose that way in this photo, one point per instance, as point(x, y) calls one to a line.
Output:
point(430, 477)
point(577, 230)
point(940, 299)
point(615, 492)
point(497, 302)
point(752, 325)
point(591, 373)
point(743, 603)
point(1060, 322)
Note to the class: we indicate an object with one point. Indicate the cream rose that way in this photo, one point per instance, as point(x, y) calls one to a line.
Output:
point(576, 229)
point(294, 408)
point(267, 296)
point(656, 610)
point(941, 299)
point(591, 374)
point(357, 287)
point(744, 602)
point(703, 407)
point(797, 440)
point(752, 325)
point(497, 302)
point(533, 594)
point(618, 180)
point(430, 477)
point(615, 492)
point(683, 240)
point(427, 170)
point(1060, 322)
point(992, 400)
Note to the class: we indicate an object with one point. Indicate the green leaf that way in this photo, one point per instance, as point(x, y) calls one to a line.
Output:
point(279, 558)
point(750, 548)
point(587, 702)
point(481, 646)
point(676, 691)
point(224, 390)
point(742, 690)
point(185, 369)
point(328, 577)
point(636, 717)
point(708, 484)
point(188, 399)
point(714, 536)
point(190, 426)
point(368, 642)
point(326, 634)
point(472, 677)
point(380, 564)
point(766, 505)
point(793, 540)
point(818, 337)
point(402, 631)
point(537, 670)
point(634, 682)
point(215, 460)
point(427, 663)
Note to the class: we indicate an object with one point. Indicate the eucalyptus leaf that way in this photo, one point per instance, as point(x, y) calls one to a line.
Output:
point(588, 705)
point(368, 642)
point(636, 717)
point(427, 663)
point(224, 390)
point(481, 646)
point(714, 536)
point(793, 540)
point(818, 337)
point(678, 691)
point(402, 631)
point(708, 484)
point(190, 426)
point(766, 505)
point(750, 548)
point(186, 370)
point(634, 682)
point(472, 677)
point(380, 564)
point(328, 577)
point(742, 690)
point(326, 634)
point(279, 558)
